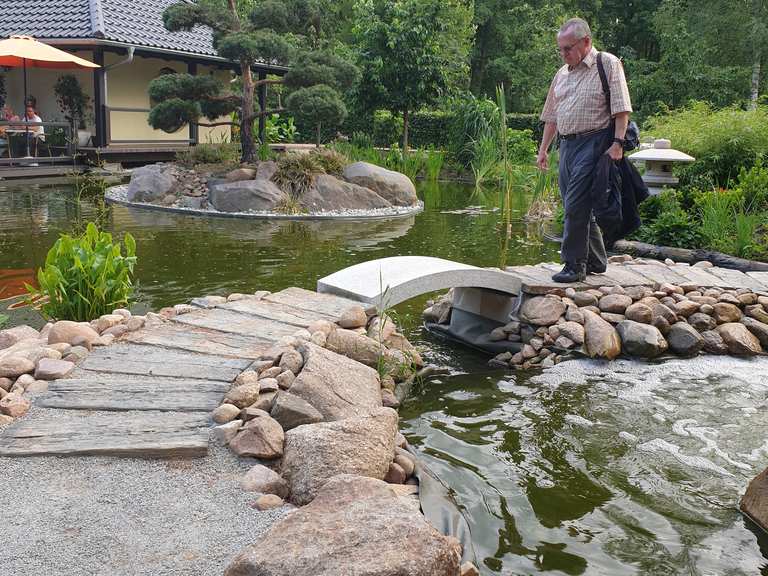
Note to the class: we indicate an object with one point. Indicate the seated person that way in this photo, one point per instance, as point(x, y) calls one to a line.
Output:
point(7, 115)
point(31, 134)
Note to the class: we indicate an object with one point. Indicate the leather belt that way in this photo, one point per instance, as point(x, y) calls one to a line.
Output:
point(582, 134)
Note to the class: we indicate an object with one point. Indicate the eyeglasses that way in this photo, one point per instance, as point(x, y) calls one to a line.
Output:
point(567, 49)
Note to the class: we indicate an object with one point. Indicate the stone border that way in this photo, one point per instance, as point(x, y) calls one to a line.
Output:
point(116, 195)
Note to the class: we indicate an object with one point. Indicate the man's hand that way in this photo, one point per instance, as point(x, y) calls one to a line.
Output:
point(542, 160)
point(616, 152)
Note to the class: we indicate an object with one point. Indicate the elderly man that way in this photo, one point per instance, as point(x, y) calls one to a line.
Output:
point(577, 109)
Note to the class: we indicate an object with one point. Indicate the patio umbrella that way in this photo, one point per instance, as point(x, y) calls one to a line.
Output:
point(26, 52)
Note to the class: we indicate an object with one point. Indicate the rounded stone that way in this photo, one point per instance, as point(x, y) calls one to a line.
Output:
point(684, 340)
point(353, 317)
point(268, 502)
point(395, 474)
point(225, 413)
point(639, 312)
point(15, 366)
point(725, 313)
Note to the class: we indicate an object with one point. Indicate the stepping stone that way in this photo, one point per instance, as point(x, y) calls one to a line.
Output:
point(657, 273)
point(236, 323)
point(761, 277)
point(120, 392)
point(538, 280)
point(327, 304)
point(737, 279)
point(182, 337)
point(278, 312)
point(144, 435)
point(155, 361)
point(701, 277)
point(592, 280)
point(622, 276)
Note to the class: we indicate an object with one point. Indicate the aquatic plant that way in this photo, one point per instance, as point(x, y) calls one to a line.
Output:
point(85, 276)
point(485, 158)
point(433, 163)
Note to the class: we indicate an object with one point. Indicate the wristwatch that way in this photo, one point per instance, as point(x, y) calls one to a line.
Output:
point(619, 141)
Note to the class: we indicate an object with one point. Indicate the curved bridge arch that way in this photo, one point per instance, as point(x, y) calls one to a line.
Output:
point(404, 277)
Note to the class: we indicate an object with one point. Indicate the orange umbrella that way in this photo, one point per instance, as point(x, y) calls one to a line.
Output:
point(26, 52)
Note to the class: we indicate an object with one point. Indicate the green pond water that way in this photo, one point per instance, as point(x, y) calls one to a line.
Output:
point(591, 469)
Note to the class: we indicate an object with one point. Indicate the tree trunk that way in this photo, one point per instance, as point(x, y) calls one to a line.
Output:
point(405, 132)
point(755, 92)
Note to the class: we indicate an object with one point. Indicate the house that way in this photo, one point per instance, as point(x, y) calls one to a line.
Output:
point(128, 40)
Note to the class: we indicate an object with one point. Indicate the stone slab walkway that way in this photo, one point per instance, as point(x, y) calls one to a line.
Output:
point(159, 384)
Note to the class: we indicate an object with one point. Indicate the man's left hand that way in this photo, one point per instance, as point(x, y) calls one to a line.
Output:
point(616, 151)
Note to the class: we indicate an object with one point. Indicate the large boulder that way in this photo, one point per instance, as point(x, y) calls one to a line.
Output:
point(600, 338)
point(315, 453)
point(329, 194)
point(754, 503)
point(337, 386)
point(739, 340)
point(684, 340)
point(245, 196)
point(356, 526)
point(152, 183)
point(641, 340)
point(394, 187)
point(542, 310)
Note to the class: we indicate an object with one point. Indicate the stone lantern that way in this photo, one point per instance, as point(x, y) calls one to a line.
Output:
point(659, 160)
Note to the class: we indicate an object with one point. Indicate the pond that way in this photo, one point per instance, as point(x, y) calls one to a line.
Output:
point(636, 469)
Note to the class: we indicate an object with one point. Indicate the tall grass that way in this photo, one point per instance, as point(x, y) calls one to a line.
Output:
point(433, 164)
point(485, 158)
point(745, 232)
point(716, 213)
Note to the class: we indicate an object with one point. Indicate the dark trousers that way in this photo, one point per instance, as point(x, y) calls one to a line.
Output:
point(582, 239)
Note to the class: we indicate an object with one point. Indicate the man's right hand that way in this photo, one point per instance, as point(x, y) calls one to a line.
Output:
point(542, 161)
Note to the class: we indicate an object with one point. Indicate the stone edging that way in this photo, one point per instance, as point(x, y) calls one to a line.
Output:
point(116, 195)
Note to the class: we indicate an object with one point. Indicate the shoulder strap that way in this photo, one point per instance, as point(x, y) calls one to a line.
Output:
point(604, 80)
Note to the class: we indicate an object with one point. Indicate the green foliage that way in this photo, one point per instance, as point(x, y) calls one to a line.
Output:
point(485, 158)
point(89, 185)
point(361, 140)
point(672, 228)
point(430, 128)
point(521, 146)
point(3, 320)
point(433, 164)
point(753, 186)
point(86, 276)
point(315, 68)
point(387, 128)
point(221, 153)
point(280, 129)
point(474, 118)
point(722, 141)
point(296, 173)
point(317, 105)
point(71, 99)
point(255, 45)
point(3, 92)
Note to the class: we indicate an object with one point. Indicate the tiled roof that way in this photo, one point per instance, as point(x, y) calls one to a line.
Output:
point(135, 22)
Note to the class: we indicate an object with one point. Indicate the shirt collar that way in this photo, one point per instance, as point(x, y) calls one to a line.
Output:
point(589, 60)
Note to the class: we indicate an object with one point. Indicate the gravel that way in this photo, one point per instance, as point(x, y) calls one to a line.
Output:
point(114, 516)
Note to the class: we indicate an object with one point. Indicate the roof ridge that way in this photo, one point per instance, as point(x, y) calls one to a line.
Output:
point(97, 18)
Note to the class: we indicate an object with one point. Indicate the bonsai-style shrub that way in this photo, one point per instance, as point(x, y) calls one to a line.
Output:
point(319, 105)
point(85, 277)
point(74, 103)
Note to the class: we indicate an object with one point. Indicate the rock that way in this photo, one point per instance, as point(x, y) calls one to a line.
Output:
point(395, 474)
point(268, 385)
point(246, 377)
point(266, 169)
point(388, 399)
point(5, 383)
point(614, 303)
point(684, 340)
point(151, 183)
point(265, 480)
point(291, 360)
point(14, 405)
point(707, 309)
point(585, 299)
point(74, 333)
point(61, 347)
point(48, 369)
point(225, 413)
point(601, 339)
point(291, 411)
point(573, 331)
point(285, 379)
point(703, 264)
point(323, 326)
point(686, 307)
point(264, 403)
point(542, 310)
point(469, 569)
point(274, 371)
point(359, 445)
point(381, 330)
point(714, 343)
point(512, 327)
point(268, 502)
point(729, 298)
point(11, 336)
point(245, 196)
point(702, 322)
point(108, 321)
point(726, 313)
point(573, 314)
point(660, 310)
point(639, 312)
point(261, 437)
point(5, 420)
point(243, 395)
point(374, 533)
point(748, 299)
point(497, 335)
point(329, 194)
point(240, 174)
point(356, 346)
point(563, 342)
point(757, 312)
point(612, 318)
point(224, 433)
point(36, 386)
point(738, 339)
point(115, 331)
point(15, 366)
point(641, 340)
point(405, 460)
point(353, 317)
point(319, 339)
point(759, 329)
point(392, 186)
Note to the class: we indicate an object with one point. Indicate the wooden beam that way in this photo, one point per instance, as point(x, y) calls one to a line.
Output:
point(194, 133)
point(262, 106)
point(101, 136)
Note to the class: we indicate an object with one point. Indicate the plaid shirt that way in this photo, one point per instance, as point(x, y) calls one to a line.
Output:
point(576, 101)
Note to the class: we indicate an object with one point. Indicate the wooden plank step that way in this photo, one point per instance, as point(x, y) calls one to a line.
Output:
point(236, 323)
point(201, 340)
point(144, 435)
point(277, 311)
point(737, 278)
point(657, 273)
point(327, 304)
point(154, 361)
point(97, 391)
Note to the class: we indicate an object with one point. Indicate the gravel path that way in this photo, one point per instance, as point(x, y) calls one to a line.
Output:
point(117, 516)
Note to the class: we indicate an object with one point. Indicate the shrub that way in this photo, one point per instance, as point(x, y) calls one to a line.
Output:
point(331, 161)
point(722, 141)
point(672, 228)
point(430, 128)
point(387, 129)
point(222, 153)
point(86, 276)
point(521, 147)
point(296, 173)
point(753, 185)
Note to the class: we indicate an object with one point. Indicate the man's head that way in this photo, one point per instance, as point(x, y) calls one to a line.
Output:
point(574, 41)
point(29, 111)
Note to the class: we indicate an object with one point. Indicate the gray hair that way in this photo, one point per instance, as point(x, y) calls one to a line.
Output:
point(576, 26)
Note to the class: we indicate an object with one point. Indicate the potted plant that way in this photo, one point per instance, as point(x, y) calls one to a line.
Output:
point(74, 103)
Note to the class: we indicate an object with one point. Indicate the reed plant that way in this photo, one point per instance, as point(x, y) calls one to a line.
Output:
point(86, 276)
point(716, 210)
point(485, 158)
point(433, 164)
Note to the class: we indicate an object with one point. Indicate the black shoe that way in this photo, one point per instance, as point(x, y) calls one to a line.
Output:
point(571, 273)
point(596, 268)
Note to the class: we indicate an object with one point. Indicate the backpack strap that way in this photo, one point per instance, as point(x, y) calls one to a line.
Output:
point(604, 80)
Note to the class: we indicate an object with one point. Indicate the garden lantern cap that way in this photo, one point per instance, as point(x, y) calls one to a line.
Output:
point(661, 151)
point(18, 51)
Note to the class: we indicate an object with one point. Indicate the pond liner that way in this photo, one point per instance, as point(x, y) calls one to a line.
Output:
point(472, 330)
point(440, 508)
